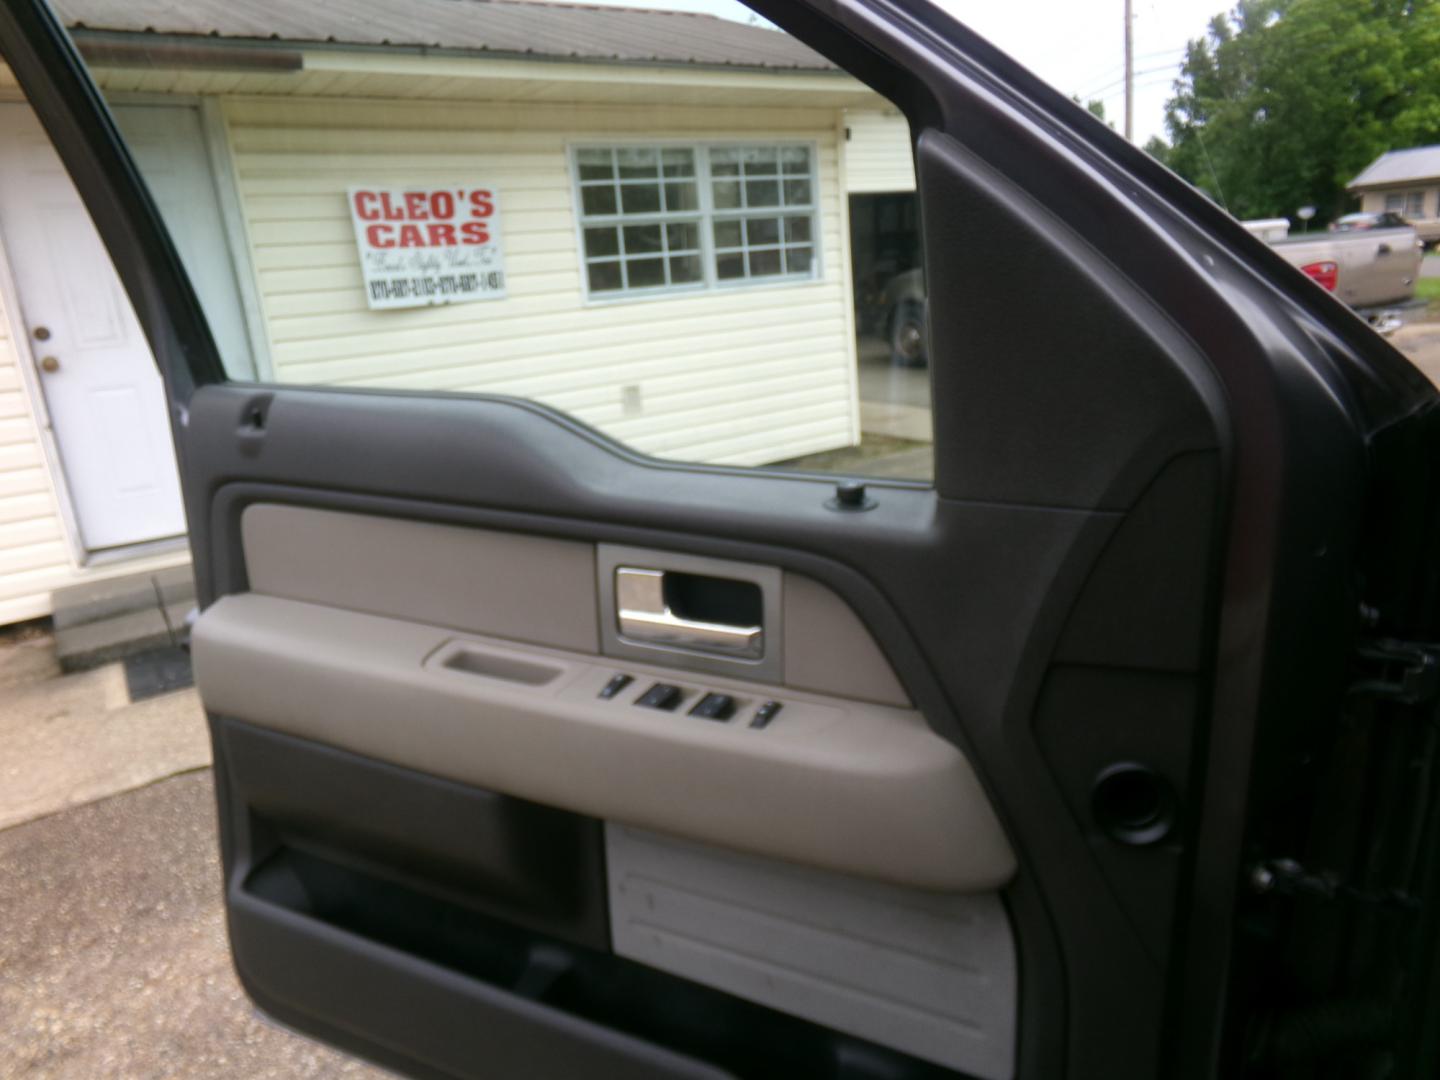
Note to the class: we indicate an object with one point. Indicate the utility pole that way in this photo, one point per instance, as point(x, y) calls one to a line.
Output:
point(1129, 71)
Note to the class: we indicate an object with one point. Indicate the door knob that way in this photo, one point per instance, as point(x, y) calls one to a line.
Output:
point(50, 364)
point(42, 333)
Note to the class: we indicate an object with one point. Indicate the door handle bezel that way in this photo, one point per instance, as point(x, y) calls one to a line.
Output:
point(657, 642)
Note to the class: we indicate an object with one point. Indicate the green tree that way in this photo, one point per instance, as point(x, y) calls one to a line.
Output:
point(1282, 102)
point(1096, 108)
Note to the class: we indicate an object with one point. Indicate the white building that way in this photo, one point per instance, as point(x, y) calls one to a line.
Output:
point(1404, 182)
point(714, 348)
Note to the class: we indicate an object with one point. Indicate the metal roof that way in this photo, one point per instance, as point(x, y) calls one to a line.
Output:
point(512, 27)
point(1401, 167)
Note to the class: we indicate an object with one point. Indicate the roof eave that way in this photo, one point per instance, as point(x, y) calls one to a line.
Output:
point(192, 44)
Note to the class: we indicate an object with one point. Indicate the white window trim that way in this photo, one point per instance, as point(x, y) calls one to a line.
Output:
point(710, 284)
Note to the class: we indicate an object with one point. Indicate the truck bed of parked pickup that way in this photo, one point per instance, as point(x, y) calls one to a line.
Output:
point(1366, 268)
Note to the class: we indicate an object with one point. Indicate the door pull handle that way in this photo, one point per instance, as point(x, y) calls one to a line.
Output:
point(645, 616)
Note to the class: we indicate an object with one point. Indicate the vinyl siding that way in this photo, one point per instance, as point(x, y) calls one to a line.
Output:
point(32, 543)
point(741, 375)
point(878, 155)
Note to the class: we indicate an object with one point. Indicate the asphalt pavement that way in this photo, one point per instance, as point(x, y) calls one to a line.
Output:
point(113, 959)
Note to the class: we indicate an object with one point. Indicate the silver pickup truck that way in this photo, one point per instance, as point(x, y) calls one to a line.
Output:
point(1367, 268)
point(1373, 269)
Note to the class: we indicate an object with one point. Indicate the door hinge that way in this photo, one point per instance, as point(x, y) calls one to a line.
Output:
point(1286, 877)
point(1407, 672)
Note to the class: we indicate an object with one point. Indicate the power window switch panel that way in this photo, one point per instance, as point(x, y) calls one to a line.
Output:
point(661, 696)
point(714, 707)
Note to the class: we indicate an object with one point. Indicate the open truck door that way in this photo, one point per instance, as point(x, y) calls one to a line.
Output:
point(1098, 755)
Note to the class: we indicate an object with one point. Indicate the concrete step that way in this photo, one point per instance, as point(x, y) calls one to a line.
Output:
point(99, 622)
point(97, 600)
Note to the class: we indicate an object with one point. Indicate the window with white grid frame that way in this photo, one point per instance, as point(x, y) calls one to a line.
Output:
point(641, 220)
point(680, 218)
point(763, 200)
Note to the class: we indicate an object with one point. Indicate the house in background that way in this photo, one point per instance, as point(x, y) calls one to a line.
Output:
point(732, 341)
point(1404, 182)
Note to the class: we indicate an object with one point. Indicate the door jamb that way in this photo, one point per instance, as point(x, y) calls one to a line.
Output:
point(215, 132)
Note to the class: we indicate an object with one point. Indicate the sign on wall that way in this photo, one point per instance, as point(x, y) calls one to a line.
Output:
point(422, 246)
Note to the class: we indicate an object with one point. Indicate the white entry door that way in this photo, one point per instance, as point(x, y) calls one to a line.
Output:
point(104, 395)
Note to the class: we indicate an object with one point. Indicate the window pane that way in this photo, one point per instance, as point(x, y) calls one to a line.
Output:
point(795, 159)
point(724, 162)
point(645, 273)
point(641, 239)
point(602, 242)
point(764, 263)
point(678, 162)
point(640, 198)
point(637, 164)
point(797, 192)
point(683, 237)
point(761, 161)
point(727, 195)
point(797, 228)
point(596, 164)
point(799, 260)
point(728, 234)
point(762, 193)
point(681, 197)
point(598, 200)
point(762, 231)
point(604, 277)
point(685, 269)
point(728, 267)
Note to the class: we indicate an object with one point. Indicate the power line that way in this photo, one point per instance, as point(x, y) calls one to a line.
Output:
point(1116, 82)
point(1119, 65)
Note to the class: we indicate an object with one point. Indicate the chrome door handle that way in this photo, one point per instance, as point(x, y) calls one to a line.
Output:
point(644, 616)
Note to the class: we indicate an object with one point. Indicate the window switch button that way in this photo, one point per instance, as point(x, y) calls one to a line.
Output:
point(661, 696)
point(714, 707)
point(615, 685)
point(764, 714)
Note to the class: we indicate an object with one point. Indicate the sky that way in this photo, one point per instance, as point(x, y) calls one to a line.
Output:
point(1079, 46)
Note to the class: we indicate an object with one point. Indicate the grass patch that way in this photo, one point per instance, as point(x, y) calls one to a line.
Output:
point(1428, 289)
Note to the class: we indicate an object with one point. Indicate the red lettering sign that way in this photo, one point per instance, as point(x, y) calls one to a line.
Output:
point(421, 246)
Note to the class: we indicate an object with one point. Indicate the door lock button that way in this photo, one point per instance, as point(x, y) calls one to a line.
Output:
point(615, 685)
point(661, 696)
point(764, 714)
point(714, 707)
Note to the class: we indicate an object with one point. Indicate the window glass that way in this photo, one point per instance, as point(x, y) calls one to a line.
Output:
point(712, 262)
point(1410, 204)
